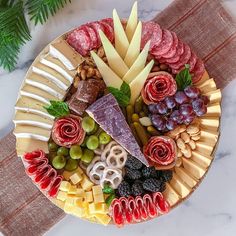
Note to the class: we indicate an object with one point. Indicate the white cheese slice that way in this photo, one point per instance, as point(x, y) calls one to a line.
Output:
point(46, 88)
point(58, 66)
point(51, 77)
point(115, 62)
point(134, 47)
point(137, 84)
point(29, 145)
point(132, 22)
point(66, 54)
point(34, 96)
point(138, 65)
point(30, 131)
point(109, 76)
point(121, 41)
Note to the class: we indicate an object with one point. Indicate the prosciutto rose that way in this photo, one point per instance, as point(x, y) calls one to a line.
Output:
point(161, 151)
point(67, 131)
point(158, 87)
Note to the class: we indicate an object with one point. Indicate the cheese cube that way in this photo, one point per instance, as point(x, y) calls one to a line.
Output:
point(89, 196)
point(98, 208)
point(86, 209)
point(62, 196)
point(72, 189)
point(68, 174)
point(86, 184)
point(98, 198)
point(78, 211)
point(76, 178)
point(68, 208)
point(97, 190)
point(103, 218)
point(65, 186)
point(79, 202)
point(79, 171)
point(80, 192)
point(59, 203)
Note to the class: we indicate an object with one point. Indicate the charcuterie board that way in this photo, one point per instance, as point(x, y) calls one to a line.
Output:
point(117, 120)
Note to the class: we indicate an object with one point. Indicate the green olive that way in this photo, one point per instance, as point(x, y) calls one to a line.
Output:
point(92, 142)
point(71, 165)
point(62, 151)
point(104, 138)
point(52, 147)
point(87, 156)
point(88, 124)
point(76, 152)
point(59, 162)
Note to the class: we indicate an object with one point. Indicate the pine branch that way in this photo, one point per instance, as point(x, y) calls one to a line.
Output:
point(39, 10)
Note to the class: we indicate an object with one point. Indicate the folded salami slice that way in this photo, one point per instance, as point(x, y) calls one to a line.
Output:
point(149, 205)
point(108, 30)
point(55, 186)
point(97, 26)
point(142, 209)
point(117, 213)
point(126, 210)
point(107, 113)
point(161, 204)
point(198, 71)
point(92, 35)
point(175, 58)
point(134, 209)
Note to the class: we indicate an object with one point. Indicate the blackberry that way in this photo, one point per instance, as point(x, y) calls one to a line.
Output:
point(133, 163)
point(133, 174)
point(166, 175)
point(137, 188)
point(163, 187)
point(152, 185)
point(124, 189)
point(148, 172)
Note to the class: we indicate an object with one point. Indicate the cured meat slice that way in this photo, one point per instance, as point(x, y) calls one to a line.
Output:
point(164, 46)
point(107, 113)
point(161, 204)
point(142, 209)
point(109, 21)
point(184, 58)
point(149, 205)
point(108, 30)
point(93, 37)
point(151, 31)
point(198, 71)
point(176, 57)
point(97, 26)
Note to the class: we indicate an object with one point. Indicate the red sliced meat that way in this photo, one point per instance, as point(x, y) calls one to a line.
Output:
point(149, 205)
point(161, 204)
point(126, 210)
point(198, 71)
point(142, 209)
point(108, 31)
point(117, 213)
point(55, 186)
point(151, 31)
point(165, 45)
point(93, 36)
point(173, 49)
point(108, 21)
point(192, 61)
point(179, 52)
point(134, 210)
point(97, 26)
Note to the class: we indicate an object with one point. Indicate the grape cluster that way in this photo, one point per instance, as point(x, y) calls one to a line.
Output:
point(181, 108)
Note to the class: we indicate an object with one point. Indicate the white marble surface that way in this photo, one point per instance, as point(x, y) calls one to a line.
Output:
point(211, 210)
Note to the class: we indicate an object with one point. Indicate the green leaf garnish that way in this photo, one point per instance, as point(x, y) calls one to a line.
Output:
point(122, 95)
point(107, 189)
point(183, 78)
point(109, 199)
point(57, 109)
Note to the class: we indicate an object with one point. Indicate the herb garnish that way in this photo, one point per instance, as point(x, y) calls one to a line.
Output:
point(184, 78)
point(57, 109)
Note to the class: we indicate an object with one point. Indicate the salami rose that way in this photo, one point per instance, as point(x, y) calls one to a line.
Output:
point(158, 87)
point(161, 151)
point(67, 131)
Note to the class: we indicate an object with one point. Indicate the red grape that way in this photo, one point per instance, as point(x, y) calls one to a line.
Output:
point(180, 97)
point(205, 99)
point(186, 109)
point(159, 122)
point(192, 92)
point(170, 102)
point(189, 118)
point(198, 104)
point(177, 117)
point(171, 124)
point(152, 109)
point(161, 108)
point(202, 111)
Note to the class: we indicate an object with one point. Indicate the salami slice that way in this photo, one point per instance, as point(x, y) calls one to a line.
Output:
point(108, 21)
point(151, 31)
point(165, 45)
point(93, 37)
point(179, 52)
point(198, 71)
point(108, 30)
point(97, 26)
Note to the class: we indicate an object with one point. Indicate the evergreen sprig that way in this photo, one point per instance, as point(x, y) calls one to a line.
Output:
point(14, 31)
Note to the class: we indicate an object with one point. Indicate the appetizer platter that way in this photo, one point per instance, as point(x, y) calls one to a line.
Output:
point(117, 120)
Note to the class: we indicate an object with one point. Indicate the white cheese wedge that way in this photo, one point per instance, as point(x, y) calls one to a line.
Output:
point(121, 41)
point(132, 22)
point(138, 65)
point(109, 76)
point(29, 145)
point(137, 84)
point(30, 131)
point(115, 62)
point(66, 54)
point(134, 47)
point(59, 67)
point(34, 96)
point(46, 88)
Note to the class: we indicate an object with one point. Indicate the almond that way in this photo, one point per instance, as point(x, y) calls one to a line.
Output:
point(187, 152)
point(192, 144)
point(196, 138)
point(185, 136)
point(192, 129)
point(180, 143)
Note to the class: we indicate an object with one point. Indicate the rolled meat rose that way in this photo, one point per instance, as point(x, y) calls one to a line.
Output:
point(161, 152)
point(67, 131)
point(158, 87)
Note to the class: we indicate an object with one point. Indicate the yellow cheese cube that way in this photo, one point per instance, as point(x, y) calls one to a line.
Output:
point(86, 184)
point(86, 209)
point(64, 186)
point(79, 171)
point(62, 196)
point(97, 190)
point(89, 196)
point(103, 218)
point(98, 198)
point(75, 178)
point(72, 189)
point(58, 203)
point(68, 208)
point(79, 202)
point(68, 174)
point(78, 211)
point(95, 208)
point(80, 192)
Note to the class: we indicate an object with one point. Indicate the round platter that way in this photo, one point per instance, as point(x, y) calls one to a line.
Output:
point(193, 156)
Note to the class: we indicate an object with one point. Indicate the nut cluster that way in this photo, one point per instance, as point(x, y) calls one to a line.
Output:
point(186, 137)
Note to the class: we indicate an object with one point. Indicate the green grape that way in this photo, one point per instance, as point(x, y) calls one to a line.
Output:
point(59, 162)
point(71, 165)
point(88, 124)
point(84, 142)
point(92, 142)
point(76, 152)
point(51, 156)
point(87, 156)
point(104, 138)
point(62, 151)
point(95, 129)
point(52, 147)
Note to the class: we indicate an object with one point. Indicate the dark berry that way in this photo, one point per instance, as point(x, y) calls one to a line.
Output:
point(137, 188)
point(166, 175)
point(148, 172)
point(132, 174)
point(152, 185)
point(163, 187)
point(133, 163)
point(124, 189)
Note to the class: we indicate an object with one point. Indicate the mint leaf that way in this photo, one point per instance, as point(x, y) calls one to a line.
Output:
point(183, 78)
point(57, 109)
point(121, 98)
point(107, 189)
point(125, 89)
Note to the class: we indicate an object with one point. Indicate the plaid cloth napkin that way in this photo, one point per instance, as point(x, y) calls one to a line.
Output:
point(211, 32)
